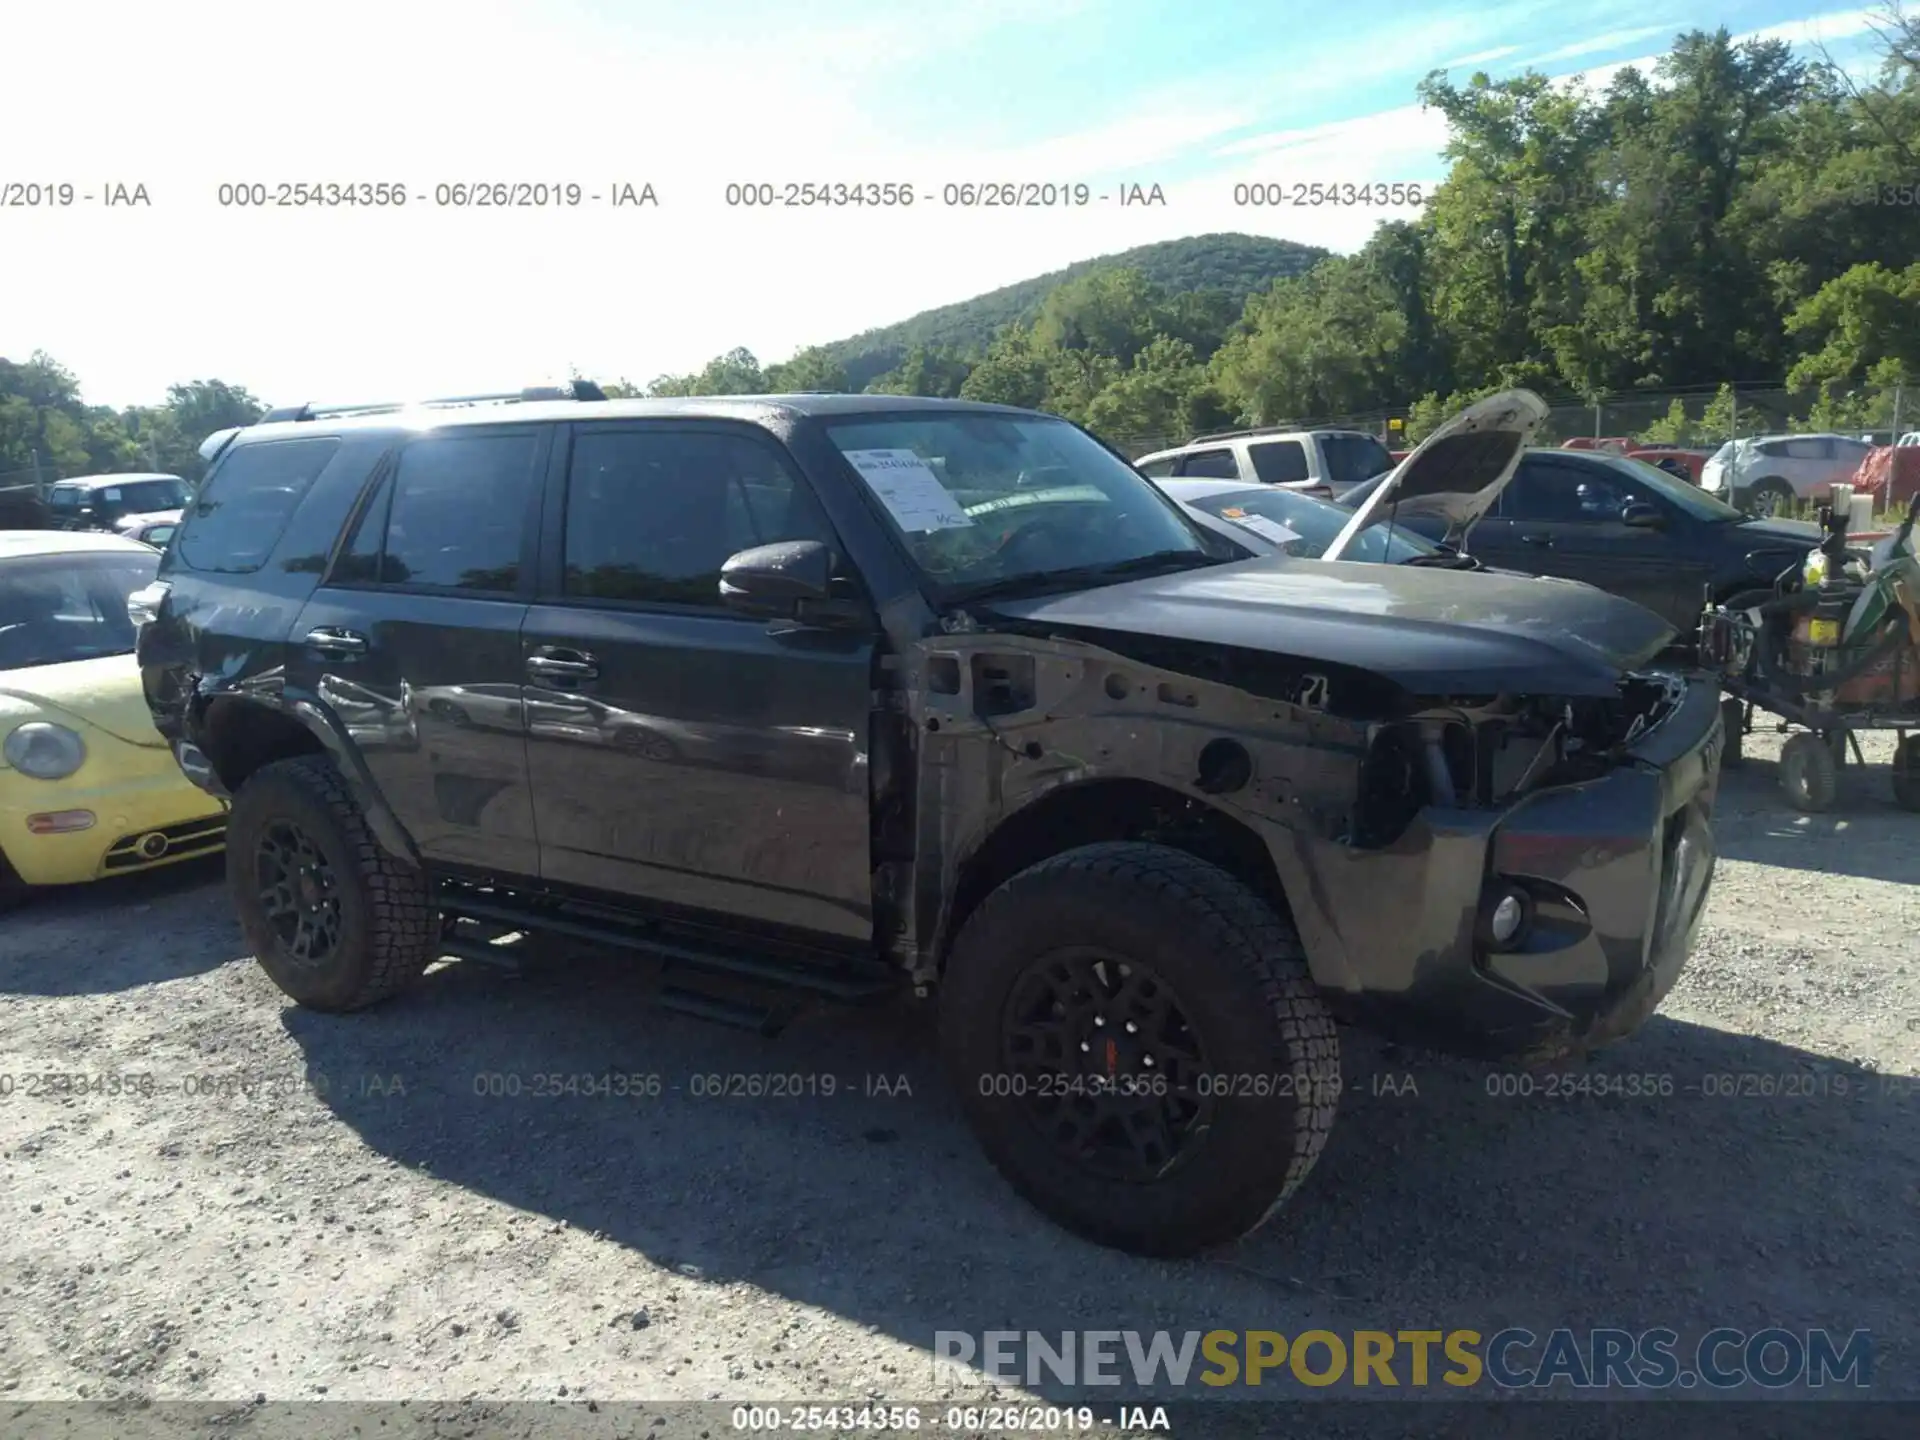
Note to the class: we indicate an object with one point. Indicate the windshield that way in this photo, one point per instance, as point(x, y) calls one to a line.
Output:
point(985, 499)
point(1317, 524)
point(139, 496)
point(1353, 458)
point(1690, 498)
point(55, 608)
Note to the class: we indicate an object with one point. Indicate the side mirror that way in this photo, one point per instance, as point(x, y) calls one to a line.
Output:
point(1642, 516)
point(790, 580)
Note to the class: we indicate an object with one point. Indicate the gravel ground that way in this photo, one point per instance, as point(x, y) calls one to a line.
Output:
point(362, 1220)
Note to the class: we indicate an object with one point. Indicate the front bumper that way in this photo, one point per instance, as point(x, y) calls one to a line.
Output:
point(146, 815)
point(1617, 870)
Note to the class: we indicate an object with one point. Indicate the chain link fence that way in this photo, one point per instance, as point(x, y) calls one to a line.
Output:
point(1703, 417)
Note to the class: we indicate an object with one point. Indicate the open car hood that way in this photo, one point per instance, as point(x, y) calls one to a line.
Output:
point(1457, 472)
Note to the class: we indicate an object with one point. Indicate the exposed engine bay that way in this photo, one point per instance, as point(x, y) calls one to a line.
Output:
point(1489, 753)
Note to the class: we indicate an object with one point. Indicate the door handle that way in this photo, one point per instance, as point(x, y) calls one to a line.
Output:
point(1537, 538)
point(558, 667)
point(328, 640)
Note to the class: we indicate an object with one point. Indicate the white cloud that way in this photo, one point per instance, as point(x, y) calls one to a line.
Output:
point(1819, 29)
point(1480, 57)
point(1593, 45)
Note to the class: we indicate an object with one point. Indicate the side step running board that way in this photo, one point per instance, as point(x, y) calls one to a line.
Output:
point(747, 991)
point(844, 983)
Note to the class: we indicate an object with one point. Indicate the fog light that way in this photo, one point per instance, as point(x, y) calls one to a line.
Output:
point(60, 822)
point(151, 846)
point(1506, 914)
point(1504, 923)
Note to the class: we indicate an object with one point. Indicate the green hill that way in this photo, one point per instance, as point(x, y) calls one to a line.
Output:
point(1236, 264)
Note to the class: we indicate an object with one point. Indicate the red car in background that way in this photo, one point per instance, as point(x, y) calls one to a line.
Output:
point(1891, 474)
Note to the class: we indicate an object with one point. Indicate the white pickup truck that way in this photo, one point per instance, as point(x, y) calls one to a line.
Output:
point(1320, 462)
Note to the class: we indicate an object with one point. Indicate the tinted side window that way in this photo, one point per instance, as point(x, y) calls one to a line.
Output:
point(152, 495)
point(1564, 494)
point(458, 512)
point(359, 563)
point(1279, 462)
point(1159, 469)
point(653, 515)
point(245, 503)
point(1211, 465)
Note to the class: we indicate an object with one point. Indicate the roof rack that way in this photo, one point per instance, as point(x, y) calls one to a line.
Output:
point(574, 390)
point(1273, 430)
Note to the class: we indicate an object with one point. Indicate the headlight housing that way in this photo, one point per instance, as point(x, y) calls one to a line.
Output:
point(44, 750)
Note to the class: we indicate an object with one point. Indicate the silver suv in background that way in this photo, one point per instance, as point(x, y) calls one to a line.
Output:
point(1770, 473)
point(1323, 462)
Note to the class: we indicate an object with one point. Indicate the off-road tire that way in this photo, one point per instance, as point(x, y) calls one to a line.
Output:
point(1238, 972)
point(1733, 720)
point(1809, 773)
point(1771, 496)
point(1906, 773)
point(388, 927)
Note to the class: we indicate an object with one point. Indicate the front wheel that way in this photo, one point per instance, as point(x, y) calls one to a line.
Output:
point(1810, 772)
point(14, 892)
point(335, 921)
point(1139, 1047)
point(1906, 773)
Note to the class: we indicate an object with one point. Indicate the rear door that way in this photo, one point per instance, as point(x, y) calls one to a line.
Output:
point(414, 640)
point(1562, 517)
point(681, 753)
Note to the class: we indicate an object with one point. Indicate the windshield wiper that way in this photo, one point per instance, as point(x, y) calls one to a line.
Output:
point(1029, 581)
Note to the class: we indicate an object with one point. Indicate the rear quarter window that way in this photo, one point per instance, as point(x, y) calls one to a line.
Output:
point(245, 504)
point(1278, 462)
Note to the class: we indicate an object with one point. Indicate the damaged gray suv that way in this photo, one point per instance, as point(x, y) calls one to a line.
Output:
point(836, 696)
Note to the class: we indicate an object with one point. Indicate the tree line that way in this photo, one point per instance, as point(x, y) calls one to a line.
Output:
point(1739, 215)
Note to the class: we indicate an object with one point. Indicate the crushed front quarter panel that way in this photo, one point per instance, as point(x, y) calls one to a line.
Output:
point(1005, 720)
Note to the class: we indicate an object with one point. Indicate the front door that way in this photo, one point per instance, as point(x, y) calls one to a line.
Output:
point(681, 753)
point(413, 643)
point(1563, 517)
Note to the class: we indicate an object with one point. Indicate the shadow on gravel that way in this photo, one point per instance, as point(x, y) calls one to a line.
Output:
point(1865, 835)
point(52, 944)
point(1746, 1183)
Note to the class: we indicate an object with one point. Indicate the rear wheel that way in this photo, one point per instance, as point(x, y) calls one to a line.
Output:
point(1906, 773)
point(335, 921)
point(1139, 1047)
point(1810, 772)
point(1771, 496)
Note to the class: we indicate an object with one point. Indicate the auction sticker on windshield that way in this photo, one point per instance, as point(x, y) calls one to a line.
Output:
point(1266, 529)
point(909, 489)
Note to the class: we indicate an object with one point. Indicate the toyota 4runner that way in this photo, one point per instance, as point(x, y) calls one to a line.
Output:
point(833, 695)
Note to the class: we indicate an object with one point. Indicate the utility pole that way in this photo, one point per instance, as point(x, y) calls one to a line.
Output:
point(1896, 413)
point(1733, 411)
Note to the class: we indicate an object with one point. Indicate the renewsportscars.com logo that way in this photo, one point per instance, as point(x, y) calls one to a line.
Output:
point(1513, 1359)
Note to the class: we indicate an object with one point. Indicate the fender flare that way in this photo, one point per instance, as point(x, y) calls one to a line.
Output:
point(331, 734)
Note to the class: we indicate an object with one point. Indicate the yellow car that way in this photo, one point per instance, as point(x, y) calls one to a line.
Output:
point(87, 786)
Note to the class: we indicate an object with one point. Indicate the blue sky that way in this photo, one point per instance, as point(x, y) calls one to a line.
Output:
point(1194, 96)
